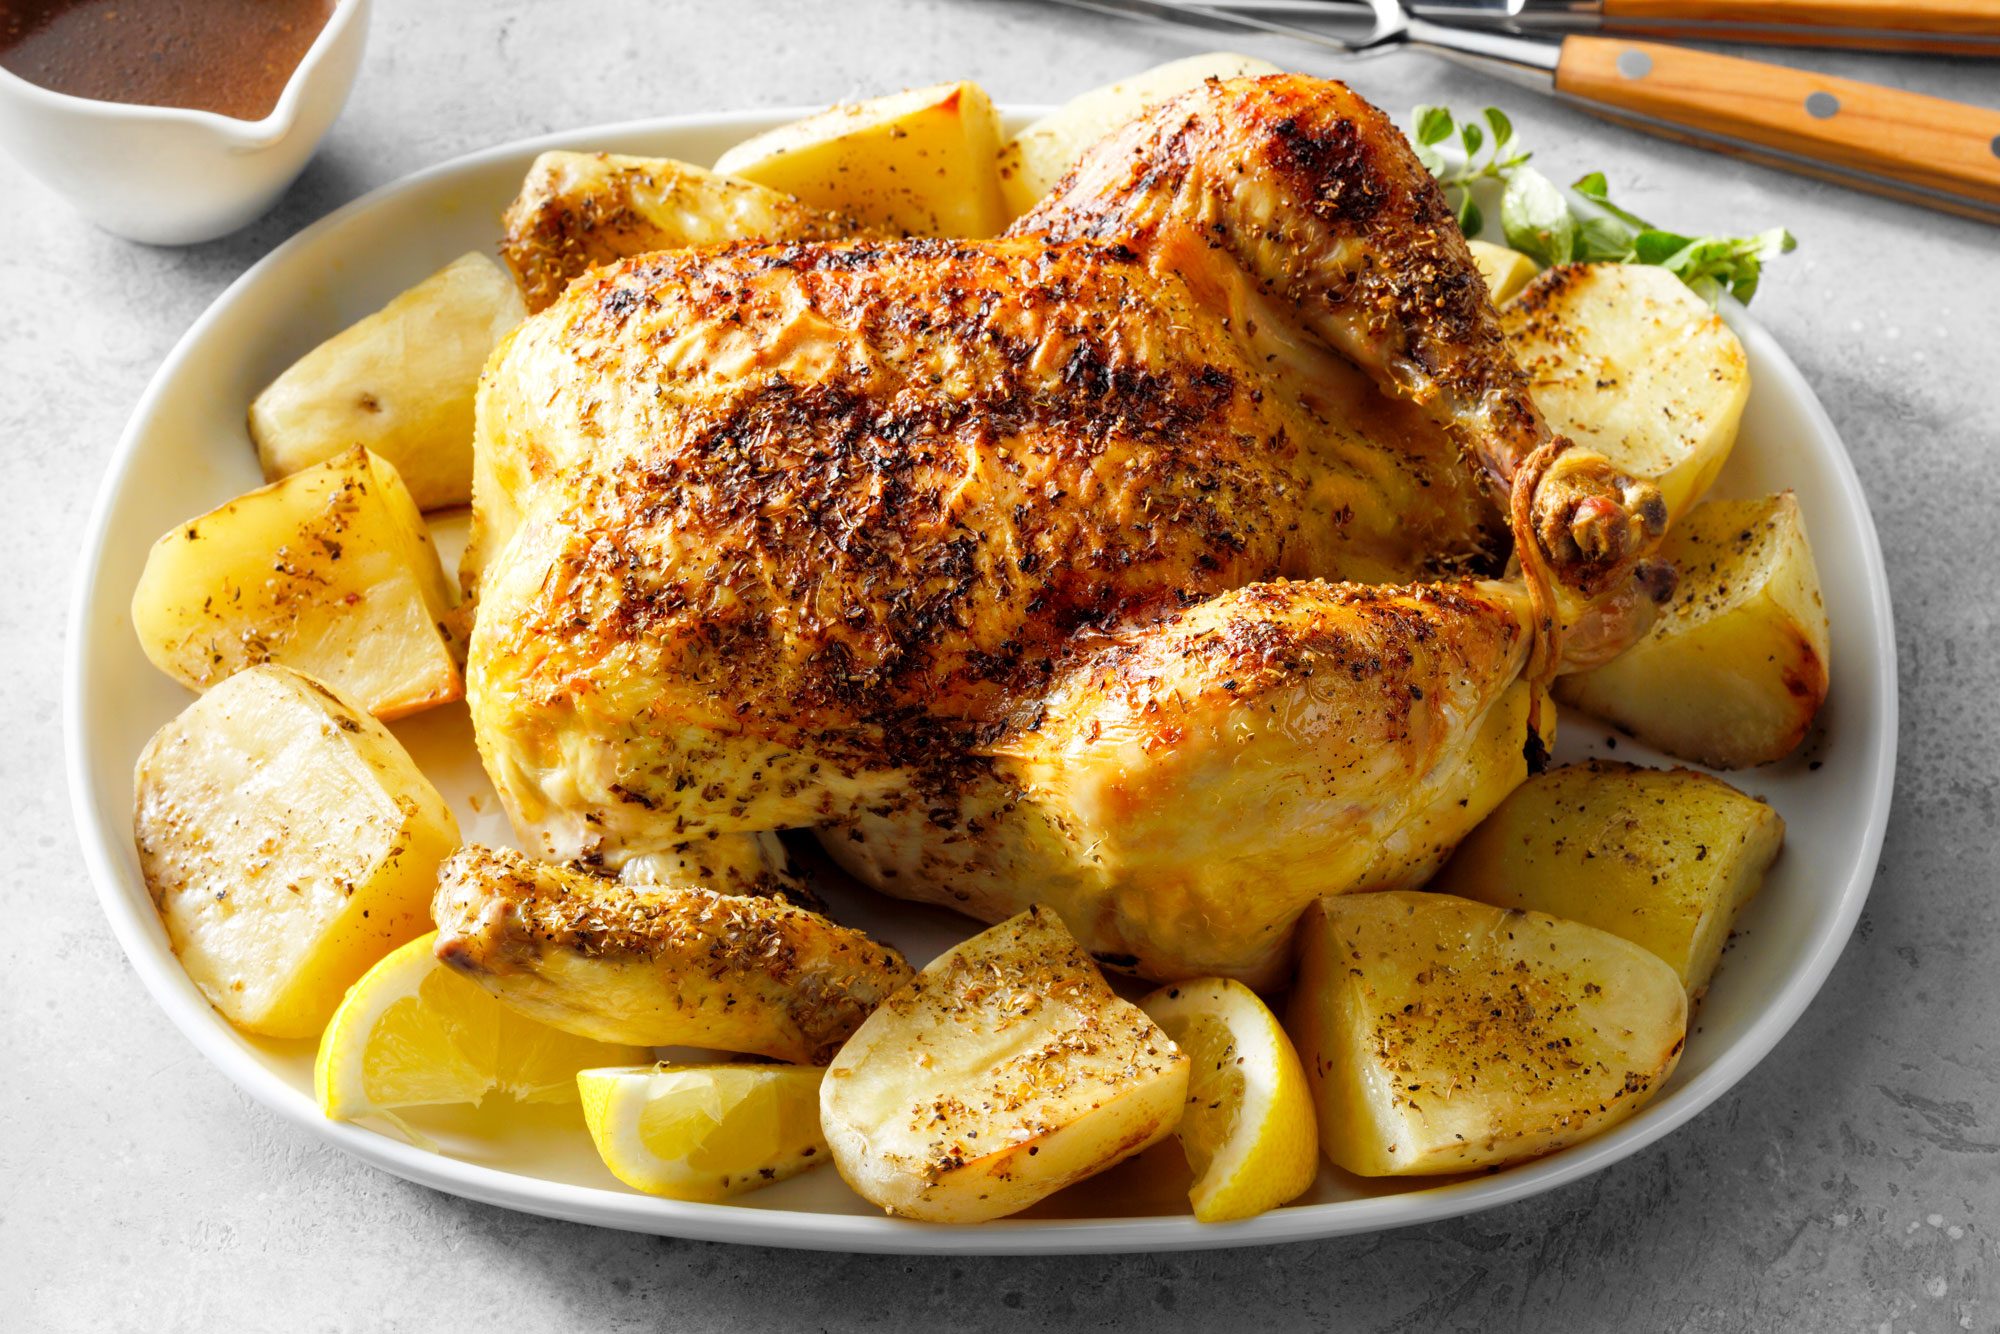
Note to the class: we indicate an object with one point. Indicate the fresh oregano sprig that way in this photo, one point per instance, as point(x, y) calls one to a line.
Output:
point(1710, 265)
point(1436, 125)
point(1553, 226)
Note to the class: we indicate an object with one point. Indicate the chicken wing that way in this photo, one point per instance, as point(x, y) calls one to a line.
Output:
point(657, 966)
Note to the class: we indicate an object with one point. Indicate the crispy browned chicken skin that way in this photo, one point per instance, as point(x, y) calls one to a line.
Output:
point(1001, 562)
point(658, 965)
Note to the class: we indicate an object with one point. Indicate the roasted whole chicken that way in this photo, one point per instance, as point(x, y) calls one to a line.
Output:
point(1192, 551)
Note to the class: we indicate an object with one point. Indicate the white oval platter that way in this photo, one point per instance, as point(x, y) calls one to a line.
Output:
point(186, 450)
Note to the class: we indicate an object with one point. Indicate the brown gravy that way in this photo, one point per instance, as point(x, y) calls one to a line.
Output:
point(232, 57)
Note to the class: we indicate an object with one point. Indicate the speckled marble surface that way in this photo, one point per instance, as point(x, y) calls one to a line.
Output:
point(1852, 1182)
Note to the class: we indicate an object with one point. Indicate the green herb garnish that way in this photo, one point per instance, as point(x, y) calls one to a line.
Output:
point(1553, 226)
point(1435, 125)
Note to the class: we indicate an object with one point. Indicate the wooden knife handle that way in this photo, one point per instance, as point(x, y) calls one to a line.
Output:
point(1922, 149)
point(1941, 16)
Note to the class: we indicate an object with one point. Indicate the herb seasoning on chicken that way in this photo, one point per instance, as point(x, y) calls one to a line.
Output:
point(953, 550)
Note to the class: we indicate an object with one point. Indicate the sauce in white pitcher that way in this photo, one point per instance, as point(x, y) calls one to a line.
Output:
point(232, 57)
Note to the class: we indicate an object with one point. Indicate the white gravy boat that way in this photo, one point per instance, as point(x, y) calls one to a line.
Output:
point(171, 176)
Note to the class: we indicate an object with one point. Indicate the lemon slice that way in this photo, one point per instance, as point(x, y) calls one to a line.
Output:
point(413, 1033)
point(703, 1132)
point(1248, 1131)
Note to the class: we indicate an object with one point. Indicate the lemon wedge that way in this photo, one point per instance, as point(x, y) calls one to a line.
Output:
point(1248, 1131)
point(413, 1033)
point(703, 1132)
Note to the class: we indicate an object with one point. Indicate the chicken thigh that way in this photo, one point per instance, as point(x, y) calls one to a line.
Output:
point(1083, 566)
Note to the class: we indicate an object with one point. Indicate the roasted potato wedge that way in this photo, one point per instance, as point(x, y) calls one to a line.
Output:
point(1035, 159)
point(329, 570)
point(657, 965)
point(1626, 361)
point(922, 162)
point(1735, 668)
point(1007, 1070)
point(1506, 271)
point(1663, 857)
point(289, 842)
point(1442, 1035)
point(576, 210)
point(399, 383)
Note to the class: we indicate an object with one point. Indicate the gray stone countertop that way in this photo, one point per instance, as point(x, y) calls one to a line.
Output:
point(1851, 1182)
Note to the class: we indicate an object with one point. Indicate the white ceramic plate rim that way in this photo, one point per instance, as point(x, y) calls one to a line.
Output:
point(202, 1026)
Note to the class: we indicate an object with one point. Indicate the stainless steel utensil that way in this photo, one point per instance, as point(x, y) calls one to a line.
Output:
point(1939, 27)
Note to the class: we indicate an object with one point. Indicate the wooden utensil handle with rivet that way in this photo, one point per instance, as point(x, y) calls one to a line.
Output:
point(1925, 149)
point(1968, 17)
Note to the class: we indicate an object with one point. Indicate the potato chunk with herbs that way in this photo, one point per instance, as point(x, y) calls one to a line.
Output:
point(923, 162)
point(1035, 159)
point(1005, 1071)
point(578, 210)
point(1442, 1035)
point(1663, 857)
point(1626, 361)
point(1735, 669)
point(289, 842)
point(399, 383)
point(330, 570)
